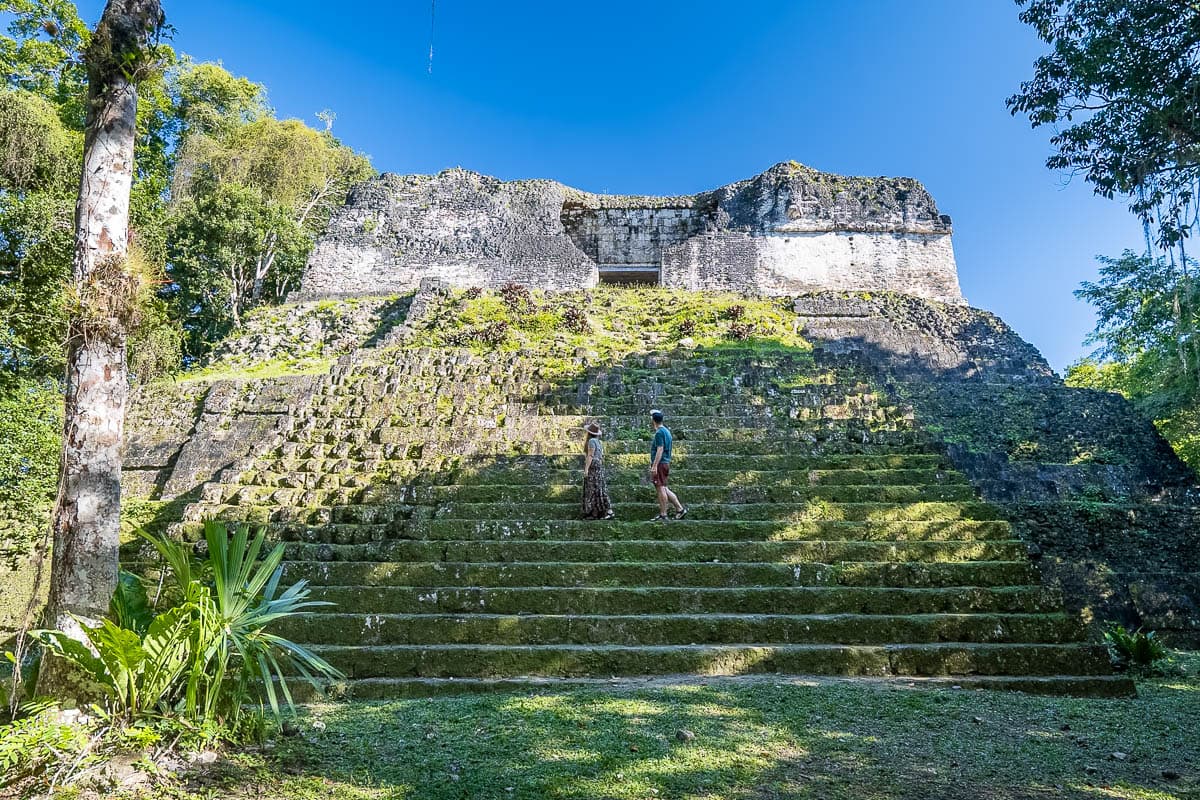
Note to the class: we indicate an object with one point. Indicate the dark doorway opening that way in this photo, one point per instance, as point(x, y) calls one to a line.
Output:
point(630, 274)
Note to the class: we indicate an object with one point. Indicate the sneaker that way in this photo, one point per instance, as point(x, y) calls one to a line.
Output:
point(610, 515)
point(681, 513)
point(661, 518)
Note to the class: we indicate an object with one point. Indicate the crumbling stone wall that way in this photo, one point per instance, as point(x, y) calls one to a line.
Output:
point(629, 235)
point(787, 230)
point(308, 333)
point(1109, 512)
point(183, 435)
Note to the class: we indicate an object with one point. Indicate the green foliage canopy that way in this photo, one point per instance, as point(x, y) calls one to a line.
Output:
point(1147, 346)
point(30, 426)
point(1123, 81)
point(249, 198)
point(205, 137)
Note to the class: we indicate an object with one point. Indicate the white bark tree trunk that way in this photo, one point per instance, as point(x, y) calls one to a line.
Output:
point(87, 515)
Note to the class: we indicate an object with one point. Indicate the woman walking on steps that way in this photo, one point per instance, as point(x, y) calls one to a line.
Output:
point(596, 504)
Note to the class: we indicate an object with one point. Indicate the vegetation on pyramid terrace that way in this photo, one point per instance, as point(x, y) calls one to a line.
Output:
point(603, 325)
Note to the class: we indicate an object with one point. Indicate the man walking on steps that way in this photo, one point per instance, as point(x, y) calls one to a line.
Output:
point(660, 468)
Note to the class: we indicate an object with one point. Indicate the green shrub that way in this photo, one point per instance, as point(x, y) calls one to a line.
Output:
point(209, 655)
point(575, 320)
point(741, 331)
point(516, 297)
point(37, 752)
point(1133, 649)
point(30, 432)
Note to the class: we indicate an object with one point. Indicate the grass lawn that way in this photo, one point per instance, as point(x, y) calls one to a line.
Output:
point(762, 738)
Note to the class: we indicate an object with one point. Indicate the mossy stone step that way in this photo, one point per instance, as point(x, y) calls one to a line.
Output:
point(633, 493)
point(1097, 686)
point(781, 438)
point(676, 600)
point(442, 469)
point(499, 447)
point(610, 531)
point(657, 550)
point(242, 494)
point(392, 512)
point(687, 476)
point(716, 530)
point(814, 510)
point(621, 427)
point(720, 461)
point(728, 455)
point(550, 573)
point(516, 476)
point(490, 661)
point(666, 629)
point(872, 442)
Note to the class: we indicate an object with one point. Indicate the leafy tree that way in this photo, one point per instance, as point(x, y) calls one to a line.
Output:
point(250, 197)
point(1121, 85)
point(30, 424)
point(1145, 344)
point(217, 238)
point(40, 54)
point(1146, 305)
point(105, 288)
point(39, 165)
point(1124, 79)
point(210, 101)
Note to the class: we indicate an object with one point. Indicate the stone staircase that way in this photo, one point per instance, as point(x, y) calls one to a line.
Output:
point(432, 496)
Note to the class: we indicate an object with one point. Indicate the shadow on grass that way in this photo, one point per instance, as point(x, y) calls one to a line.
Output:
point(739, 740)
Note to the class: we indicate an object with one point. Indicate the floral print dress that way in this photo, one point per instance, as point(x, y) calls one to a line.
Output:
point(596, 504)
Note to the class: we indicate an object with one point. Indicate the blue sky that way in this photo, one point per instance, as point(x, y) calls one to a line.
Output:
point(675, 97)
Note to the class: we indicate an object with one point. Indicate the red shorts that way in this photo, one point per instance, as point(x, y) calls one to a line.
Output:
point(660, 475)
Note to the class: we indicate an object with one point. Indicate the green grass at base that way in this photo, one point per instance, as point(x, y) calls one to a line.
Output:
point(764, 739)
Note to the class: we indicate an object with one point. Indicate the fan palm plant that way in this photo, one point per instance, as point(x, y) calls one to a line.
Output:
point(211, 653)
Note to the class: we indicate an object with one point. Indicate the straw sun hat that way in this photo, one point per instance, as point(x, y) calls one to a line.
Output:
point(593, 429)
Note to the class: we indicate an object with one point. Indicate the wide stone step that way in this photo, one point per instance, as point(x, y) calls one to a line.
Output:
point(677, 600)
point(612, 531)
point(395, 514)
point(404, 441)
point(620, 493)
point(781, 438)
point(1110, 686)
point(817, 509)
point(735, 495)
point(447, 573)
point(717, 530)
point(484, 661)
point(727, 456)
point(869, 462)
point(303, 471)
point(667, 629)
point(689, 475)
point(537, 474)
point(716, 414)
point(657, 550)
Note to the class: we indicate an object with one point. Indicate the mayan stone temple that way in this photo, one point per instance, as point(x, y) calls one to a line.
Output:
point(789, 230)
point(881, 480)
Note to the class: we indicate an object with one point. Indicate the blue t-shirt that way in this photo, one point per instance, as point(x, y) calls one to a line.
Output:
point(662, 438)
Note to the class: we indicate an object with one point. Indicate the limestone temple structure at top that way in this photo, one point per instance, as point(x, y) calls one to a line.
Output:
point(789, 230)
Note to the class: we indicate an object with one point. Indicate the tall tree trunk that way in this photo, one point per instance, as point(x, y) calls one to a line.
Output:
point(87, 514)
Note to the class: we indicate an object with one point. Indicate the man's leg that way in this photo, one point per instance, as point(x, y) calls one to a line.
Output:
point(672, 499)
point(662, 499)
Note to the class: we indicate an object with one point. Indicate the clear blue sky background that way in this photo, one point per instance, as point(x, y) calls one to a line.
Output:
point(676, 97)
